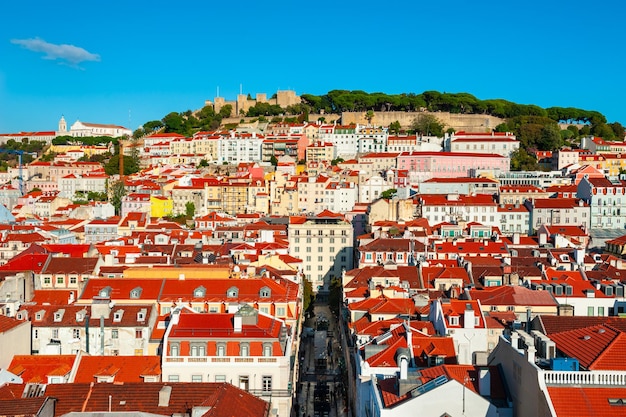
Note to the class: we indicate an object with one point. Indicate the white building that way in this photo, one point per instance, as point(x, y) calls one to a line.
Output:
point(340, 197)
point(371, 188)
point(236, 149)
point(246, 348)
point(99, 329)
point(83, 129)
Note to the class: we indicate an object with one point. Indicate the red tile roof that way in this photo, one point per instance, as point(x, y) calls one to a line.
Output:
point(123, 369)
point(220, 399)
point(8, 323)
point(587, 401)
point(36, 368)
point(513, 295)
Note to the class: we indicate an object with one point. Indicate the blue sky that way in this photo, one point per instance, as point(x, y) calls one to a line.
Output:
point(128, 62)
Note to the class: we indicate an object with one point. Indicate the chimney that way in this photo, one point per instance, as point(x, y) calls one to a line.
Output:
point(515, 340)
point(484, 382)
point(468, 318)
point(530, 354)
point(237, 323)
point(164, 396)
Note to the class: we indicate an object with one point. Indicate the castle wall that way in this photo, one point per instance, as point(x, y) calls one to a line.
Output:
point(468, 122)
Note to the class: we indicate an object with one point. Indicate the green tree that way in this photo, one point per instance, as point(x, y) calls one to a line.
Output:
point(203, 163)
point(274, 160)
point(523, 161)
point(190, 210)
point(307, 294)
point(387, 194)
point(618, 129)
point(96, 196)
point(112, 167)
point(152, 126)
point(369, 115)
point(550, 139)
point(604, 131)
point(428, 125)
point(117, 191)
point(335, 295)
point(394, 127)
point(336, 161)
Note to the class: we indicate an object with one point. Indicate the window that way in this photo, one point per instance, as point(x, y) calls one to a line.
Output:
point(221, 350)
point(138, 352)
point(196, 378)
point(244, 349)
point(265, 292)
point(220, 378)
point(590, 311)
point(138, 333)
point(233, 292)
point(454, 321)
point(55, 333)
point(266, 383)
point(76, 333)
point(36, 334)
point(267, 349)
point(601, 311)
point(174, 349)
point(280, 311)
point(47, 280)
point(172, 378)
point(199, 293)
point(198, 350)
point(73, 280)
point(60, 280)
point(244, 383)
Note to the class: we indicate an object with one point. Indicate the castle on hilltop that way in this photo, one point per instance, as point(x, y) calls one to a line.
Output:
point(240, 106)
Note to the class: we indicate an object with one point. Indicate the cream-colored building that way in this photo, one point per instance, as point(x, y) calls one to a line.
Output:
point(325, 244)
point(14, 339)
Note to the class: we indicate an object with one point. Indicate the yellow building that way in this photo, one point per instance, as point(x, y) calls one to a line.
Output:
point(161, 206)
point(613, 164)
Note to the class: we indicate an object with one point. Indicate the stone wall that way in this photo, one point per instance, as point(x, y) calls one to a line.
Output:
point(468, 122)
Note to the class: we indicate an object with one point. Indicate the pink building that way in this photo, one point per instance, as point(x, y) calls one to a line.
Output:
point(427, 165)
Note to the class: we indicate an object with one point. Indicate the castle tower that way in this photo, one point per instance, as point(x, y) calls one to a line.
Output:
point(62, 125)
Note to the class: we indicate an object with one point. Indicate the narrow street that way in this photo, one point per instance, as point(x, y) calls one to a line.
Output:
point(320, 389)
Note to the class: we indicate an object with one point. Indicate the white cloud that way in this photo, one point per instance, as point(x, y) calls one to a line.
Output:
point(70, 54)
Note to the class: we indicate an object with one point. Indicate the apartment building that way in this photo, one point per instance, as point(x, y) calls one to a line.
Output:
point(325, 244)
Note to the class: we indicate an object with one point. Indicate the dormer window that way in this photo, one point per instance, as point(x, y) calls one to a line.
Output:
point(117, 316)
point(141, 316)
point(135, 292)
point(265, 292)
point(58, 316)
point(233, 292)
point(105, 292)
point(39, 316)
point(199, 292)
point(454, 320)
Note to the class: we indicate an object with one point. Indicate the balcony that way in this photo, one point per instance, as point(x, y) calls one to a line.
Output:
point(221, 359)
point(598, 378)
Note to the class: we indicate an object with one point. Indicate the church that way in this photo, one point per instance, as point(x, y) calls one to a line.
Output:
point(82, 129)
